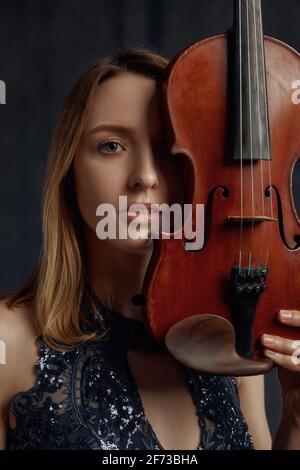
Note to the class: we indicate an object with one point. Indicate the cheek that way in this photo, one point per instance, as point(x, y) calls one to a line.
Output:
point(93, 186)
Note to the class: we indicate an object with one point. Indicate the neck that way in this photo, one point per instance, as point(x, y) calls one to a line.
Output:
point(116, 275)
point(251, 110)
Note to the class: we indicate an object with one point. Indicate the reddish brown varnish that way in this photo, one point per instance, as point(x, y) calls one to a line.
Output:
point(194, 286)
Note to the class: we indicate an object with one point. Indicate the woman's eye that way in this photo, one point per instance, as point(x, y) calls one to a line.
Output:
point(111, 146)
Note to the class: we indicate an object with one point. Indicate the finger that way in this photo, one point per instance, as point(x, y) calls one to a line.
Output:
point(290, 317)
point(279, 344)
point(284, 360)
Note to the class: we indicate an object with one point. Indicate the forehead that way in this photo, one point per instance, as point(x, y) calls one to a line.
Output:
point(128, 99)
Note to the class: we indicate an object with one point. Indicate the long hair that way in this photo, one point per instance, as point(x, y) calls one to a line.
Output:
point(57, 288)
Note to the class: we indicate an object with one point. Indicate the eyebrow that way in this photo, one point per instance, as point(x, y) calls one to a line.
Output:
point(118, 128)
point(112, 127)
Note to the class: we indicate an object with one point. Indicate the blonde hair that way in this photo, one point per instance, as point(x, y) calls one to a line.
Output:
point(57, 288)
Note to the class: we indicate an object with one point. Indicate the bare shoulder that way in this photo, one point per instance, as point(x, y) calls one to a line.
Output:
point(18, 350)
point(251, 381)
point(17, 334)
point(252, 399)
point(251, 387)
point(15, 322)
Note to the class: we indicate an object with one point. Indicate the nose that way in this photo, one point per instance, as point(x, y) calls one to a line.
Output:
point(144, 172)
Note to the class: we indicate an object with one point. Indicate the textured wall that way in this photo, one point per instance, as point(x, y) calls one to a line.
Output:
point(44, 45)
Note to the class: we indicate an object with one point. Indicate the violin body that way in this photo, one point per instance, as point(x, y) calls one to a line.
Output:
point(211, 306)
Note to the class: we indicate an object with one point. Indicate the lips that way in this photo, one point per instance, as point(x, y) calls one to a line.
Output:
point(137, 208)
point(143, 217)
point(144, 211)
point(141, 206)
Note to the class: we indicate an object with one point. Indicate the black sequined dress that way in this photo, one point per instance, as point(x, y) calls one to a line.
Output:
point(87, 398)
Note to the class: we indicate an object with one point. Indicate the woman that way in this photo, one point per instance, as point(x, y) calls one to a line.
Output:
point(100, 380)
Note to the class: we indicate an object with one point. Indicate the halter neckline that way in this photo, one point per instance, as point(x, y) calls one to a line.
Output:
point(127, 332)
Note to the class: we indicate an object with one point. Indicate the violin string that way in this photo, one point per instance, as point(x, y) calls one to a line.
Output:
point(251, 129)
point(241, 135)
point(268, 142)
point(262, 238)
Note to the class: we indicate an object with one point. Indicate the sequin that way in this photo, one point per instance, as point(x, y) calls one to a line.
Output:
point(87, 398)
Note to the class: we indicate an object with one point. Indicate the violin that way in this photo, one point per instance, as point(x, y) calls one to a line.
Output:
point(227, 103)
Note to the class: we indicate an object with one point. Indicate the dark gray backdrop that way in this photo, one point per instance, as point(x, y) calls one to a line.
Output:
point(44, 46)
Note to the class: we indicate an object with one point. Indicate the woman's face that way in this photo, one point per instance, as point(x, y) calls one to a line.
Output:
point(122, 153)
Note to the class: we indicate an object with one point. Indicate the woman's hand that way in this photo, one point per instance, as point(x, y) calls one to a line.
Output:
point(285, 353)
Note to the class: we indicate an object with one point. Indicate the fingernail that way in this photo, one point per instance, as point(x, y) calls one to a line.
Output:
point(268, 339)
point(285, 314)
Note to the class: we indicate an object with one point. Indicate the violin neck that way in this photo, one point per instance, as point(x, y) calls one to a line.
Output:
point(252, 138)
